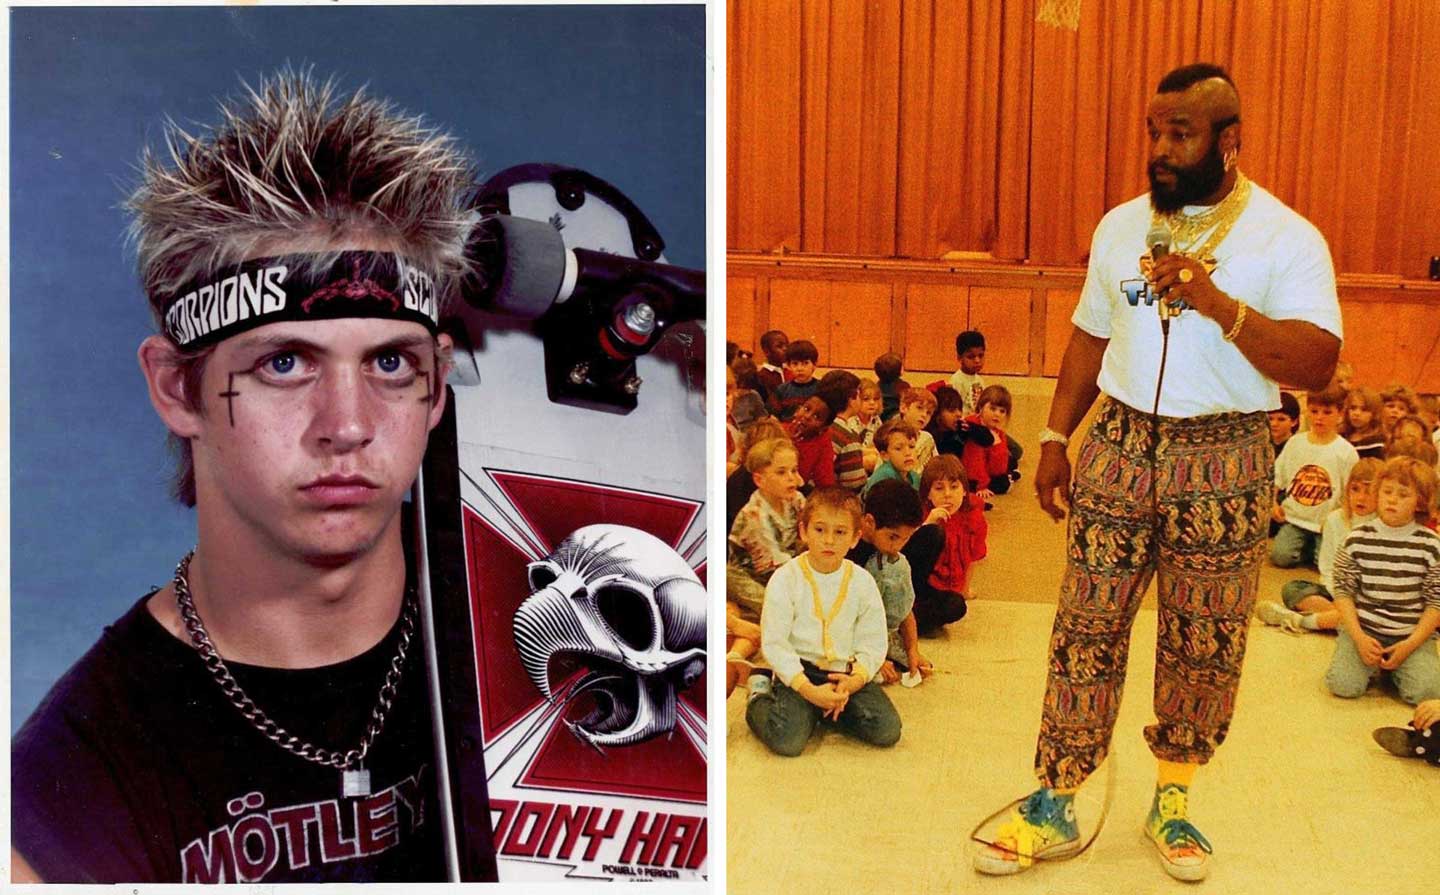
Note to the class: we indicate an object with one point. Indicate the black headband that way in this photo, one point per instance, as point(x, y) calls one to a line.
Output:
point(290, 287)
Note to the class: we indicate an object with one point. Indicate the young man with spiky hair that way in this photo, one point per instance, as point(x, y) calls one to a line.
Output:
point(264, 717)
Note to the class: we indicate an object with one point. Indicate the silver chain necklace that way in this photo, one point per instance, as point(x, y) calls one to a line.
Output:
point(354, 776)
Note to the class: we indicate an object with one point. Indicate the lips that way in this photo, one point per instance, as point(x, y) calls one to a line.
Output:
point(340, 490)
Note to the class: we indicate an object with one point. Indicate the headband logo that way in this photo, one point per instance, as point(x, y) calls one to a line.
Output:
point(353, 289)
point(357, 284)
point(244, 295)
point(419, 292)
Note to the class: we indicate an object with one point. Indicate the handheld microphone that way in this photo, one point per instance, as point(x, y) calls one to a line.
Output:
point(1158, 239)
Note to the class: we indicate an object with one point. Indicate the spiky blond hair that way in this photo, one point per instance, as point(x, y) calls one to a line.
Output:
point(294, 162)
point(294, 166)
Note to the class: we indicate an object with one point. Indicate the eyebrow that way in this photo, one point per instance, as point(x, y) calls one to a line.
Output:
point(281, 341)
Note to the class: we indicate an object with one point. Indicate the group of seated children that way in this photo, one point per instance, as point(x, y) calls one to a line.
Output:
point(857, 515)
point(1356, 493)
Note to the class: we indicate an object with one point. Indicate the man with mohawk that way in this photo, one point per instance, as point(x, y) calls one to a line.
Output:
point(264, 718)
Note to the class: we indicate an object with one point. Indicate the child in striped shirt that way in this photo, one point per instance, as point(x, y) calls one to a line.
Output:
point(1387, 590)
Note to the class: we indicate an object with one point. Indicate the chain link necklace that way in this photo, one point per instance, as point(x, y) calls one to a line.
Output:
point(1186, 230)
point(354, 776)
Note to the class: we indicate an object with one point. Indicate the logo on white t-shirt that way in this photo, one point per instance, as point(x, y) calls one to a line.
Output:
point(1311, 486)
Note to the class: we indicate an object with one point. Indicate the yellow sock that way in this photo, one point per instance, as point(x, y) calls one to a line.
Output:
point(1179, 773)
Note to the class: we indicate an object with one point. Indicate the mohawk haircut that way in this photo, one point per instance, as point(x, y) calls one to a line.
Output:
point(293, 166)
point(292, 160)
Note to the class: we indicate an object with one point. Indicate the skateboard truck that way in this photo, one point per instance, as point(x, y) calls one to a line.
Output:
point(567, 249)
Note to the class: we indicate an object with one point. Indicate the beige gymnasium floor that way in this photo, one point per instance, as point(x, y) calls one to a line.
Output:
point(1299, 799)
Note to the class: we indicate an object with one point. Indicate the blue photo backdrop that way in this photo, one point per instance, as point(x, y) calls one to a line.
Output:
point(617, 91)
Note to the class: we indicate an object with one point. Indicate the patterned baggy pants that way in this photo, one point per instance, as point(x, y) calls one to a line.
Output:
point(1188, 499)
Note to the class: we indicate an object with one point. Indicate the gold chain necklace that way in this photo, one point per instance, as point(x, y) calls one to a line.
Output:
point(1186, 230)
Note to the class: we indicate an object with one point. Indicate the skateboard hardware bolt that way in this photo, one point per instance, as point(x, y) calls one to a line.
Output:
point(640, 318)
point(579, 373)
point(632, 385)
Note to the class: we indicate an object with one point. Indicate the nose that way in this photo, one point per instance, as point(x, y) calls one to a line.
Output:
point(343, 416)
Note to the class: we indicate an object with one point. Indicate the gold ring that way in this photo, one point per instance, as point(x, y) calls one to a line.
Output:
point(1186, 274)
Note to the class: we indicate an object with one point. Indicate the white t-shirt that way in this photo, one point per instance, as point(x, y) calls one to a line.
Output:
point(1273, 260)
point(969, 386)
point(1314, 477)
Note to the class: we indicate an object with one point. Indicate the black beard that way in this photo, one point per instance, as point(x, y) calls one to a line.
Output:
point(1191, 184)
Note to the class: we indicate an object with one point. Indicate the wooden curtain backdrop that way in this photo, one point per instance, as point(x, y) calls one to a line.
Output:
point(938, 128)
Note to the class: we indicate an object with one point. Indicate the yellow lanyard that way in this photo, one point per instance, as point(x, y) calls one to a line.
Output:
point(825, 620)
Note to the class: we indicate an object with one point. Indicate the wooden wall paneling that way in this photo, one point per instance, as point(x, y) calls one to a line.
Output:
point(934, 314)
point(1391, 339)
point(1370, 334)
point(1427, 380)
point(801, 308)
point(860, 323)
point(762, 310)
point(899, 321)
point(740, 326)
point(1003, 315)
point(1037, 332)
point(1059, 305)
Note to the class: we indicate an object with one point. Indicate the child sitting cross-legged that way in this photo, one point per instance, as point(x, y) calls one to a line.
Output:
point(823, 632)
point(810, 429)
point(892, 514)
point(917, 405)
point(841, 390)
point(994, 468)
point(765, 534)
point(1387, 588)
point(1310, 471)
point(896, 443)
point(1307, 604)
point(940, 553)
point(952, 432)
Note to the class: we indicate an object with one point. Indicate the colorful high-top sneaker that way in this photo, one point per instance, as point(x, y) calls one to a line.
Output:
point(1184, 853)
point(1042, 827)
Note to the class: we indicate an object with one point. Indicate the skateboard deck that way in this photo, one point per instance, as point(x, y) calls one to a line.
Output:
point(563, 544)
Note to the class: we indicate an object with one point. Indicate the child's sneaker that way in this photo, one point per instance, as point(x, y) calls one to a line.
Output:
point(1184, 853)
point(1042, 827)
point(1272, 613)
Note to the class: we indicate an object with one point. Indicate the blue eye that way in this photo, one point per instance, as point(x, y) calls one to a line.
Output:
point(390, 362)
point(281, 363)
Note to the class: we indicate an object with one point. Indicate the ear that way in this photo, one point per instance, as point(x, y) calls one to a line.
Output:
point(160, 365)
point(444, 354)
point(1230, 138)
